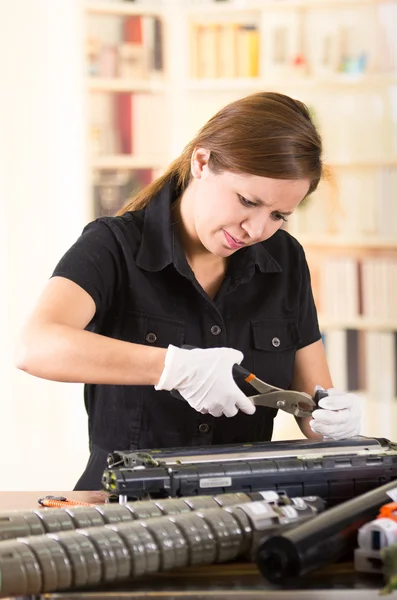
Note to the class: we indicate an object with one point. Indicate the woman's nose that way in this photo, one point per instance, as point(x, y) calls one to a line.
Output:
point(255, 228)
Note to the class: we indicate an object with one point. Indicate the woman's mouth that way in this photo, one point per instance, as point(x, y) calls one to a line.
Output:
point(232, 242)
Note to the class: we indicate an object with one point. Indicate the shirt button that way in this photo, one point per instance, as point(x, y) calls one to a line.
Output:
point(151, 338)
point(276, 342)
point(215, 330)
point(204, 428)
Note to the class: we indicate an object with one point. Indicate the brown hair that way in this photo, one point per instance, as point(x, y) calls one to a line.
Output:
point(265, 134)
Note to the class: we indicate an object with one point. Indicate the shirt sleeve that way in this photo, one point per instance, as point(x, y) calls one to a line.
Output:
point(94, 263)
point(309, 331)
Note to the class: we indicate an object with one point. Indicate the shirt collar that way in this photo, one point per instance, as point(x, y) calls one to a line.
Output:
point(160, 245)
point(156, 249)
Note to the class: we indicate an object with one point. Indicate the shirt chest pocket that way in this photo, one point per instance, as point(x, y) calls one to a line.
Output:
point(152, 330)
point(274, 346)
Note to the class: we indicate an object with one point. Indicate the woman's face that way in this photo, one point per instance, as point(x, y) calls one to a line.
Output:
point(228, 211)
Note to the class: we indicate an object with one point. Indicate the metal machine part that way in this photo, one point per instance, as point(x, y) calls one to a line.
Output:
point(15, 524)
point(118, 552)
point(358, 446)
point(336, 471)
point(326, 538)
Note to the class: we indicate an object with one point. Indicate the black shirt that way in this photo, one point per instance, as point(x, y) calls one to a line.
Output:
point(134, 268)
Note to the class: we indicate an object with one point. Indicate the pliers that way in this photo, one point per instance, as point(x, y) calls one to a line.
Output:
point(296, 403)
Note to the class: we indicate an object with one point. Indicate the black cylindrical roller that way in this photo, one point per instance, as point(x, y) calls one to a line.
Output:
point(320, 540)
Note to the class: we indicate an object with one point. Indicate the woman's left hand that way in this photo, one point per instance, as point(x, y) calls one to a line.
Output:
point(338, 416)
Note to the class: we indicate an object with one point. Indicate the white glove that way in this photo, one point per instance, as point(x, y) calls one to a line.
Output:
point(204, 378)
point(339, 417)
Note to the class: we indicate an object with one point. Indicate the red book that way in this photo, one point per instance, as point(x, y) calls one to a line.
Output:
point(132, 29)
point(123, 121)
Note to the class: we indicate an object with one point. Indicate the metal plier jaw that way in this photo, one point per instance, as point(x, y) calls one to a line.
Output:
point(295, 403)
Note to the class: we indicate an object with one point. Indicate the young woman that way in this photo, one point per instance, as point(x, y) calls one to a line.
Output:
point(197, 258)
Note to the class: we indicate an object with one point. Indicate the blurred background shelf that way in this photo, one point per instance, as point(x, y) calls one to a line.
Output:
point(239, 7)
point(248, 84)
point(120, 9)
point(158, 70)
point(124, 162)
point(113, 84)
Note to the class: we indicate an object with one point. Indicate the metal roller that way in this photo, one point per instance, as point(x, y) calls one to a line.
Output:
point(55, 519)
point(122, 551)
point(227, 532)
point(173, 506)
point(200, 502)
point(143, 549)
point(50, 520)
point(113, 553)
point(16, 524)
point(143, 510)
point(228, 499)
point(54, 563)
point(200, 540)
point(83, 556)
point(20, 570)
point(114, 513)
point(245, 525)
point(170, 542)
point(84, 516)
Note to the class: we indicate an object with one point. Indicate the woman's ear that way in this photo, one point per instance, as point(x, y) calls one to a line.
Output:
point(199, 162)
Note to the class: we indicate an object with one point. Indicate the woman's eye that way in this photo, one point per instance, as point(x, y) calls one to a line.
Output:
point(278, 217)
point(246, 202)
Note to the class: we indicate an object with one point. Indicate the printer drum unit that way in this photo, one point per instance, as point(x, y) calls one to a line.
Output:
point(335, 472)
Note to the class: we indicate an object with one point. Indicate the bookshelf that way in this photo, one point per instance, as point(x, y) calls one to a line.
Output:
point(125, 67)
point(340, 58)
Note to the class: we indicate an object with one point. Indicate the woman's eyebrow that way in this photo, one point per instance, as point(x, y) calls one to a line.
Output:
point(263, 203)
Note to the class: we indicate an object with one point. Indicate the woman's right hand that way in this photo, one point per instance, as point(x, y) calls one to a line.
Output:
point(204, 378)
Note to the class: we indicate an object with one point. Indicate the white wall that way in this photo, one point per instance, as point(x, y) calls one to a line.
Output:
point(43, 440)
